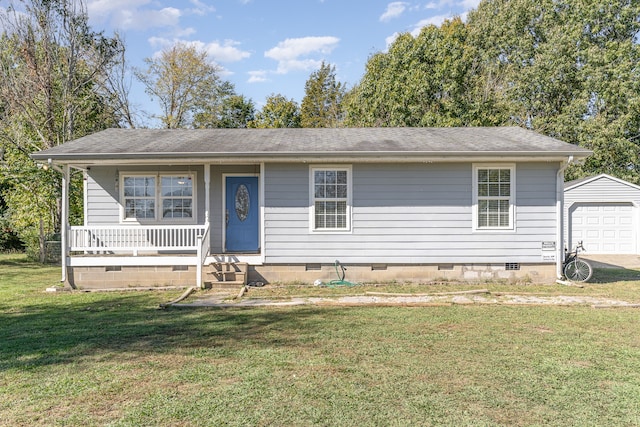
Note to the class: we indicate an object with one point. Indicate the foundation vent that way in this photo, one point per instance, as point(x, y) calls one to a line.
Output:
point(510, 266)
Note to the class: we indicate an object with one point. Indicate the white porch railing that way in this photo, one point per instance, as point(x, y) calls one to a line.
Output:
point(106, 238)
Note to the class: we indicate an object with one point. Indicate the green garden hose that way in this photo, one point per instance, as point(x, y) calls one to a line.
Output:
point(340, 281)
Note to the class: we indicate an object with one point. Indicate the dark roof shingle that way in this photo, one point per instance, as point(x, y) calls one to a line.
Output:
point(273, 143)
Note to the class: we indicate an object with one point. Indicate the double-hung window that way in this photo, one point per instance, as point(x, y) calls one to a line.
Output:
point(158, 197)
point(494, 191)
point(330, 198)
point(139, 197)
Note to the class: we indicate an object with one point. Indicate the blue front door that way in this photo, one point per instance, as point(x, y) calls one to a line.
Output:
point(241, 211)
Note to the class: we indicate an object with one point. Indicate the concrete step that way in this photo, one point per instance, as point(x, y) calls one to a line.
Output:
point(227, 272)
point(234, 285)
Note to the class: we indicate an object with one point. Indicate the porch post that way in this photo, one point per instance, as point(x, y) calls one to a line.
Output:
point(207, 207)
point(207, 192)
point(64, 222)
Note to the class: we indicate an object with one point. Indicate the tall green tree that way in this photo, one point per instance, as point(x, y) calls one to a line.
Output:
point(428, 80)
point(50, 61)
point(184, 82)
point(568, 69)
point(322, 103)
point(233, 111)
point(278, 112)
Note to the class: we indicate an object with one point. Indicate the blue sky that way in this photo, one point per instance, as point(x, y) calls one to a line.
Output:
point(268, 46)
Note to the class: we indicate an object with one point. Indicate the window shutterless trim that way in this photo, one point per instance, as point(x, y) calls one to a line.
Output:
point(158, 198)
point(312, 199)
point(511, 198)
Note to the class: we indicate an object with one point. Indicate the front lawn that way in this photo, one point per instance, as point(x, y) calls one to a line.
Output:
point(116, 359)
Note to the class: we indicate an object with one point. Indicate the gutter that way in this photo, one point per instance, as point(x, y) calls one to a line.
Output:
point(340, 157)
point(560, 216)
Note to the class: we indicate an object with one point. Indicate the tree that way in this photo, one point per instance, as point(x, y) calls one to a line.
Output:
point(234, 111)
point(427, 80)
point(322, 104)
point(278, 112)
point(569, 70)
point(184, 82)
point(564, 68)
point(50, 61)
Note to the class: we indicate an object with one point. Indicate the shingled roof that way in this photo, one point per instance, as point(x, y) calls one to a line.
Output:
point(274, 144)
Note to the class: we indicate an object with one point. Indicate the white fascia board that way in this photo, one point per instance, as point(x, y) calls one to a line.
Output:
point(377, 158)
point(602, 175)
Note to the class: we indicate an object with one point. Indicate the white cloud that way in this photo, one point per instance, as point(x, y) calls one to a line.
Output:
point(469, 4)
point(140, 15)
point(449, 4)
point(144, 19)
point(293, 48)
point(433, 20)
point(288, 53)
point(102, 10)
point(289, 65)
point(200, 8)
point(227, 51)
point(259, 76)
point(394, 10)
point(389, 40)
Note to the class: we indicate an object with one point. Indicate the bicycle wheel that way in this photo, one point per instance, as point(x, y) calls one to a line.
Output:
point(578, 271)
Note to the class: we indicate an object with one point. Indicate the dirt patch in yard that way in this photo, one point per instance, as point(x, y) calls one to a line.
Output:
point(481, 296)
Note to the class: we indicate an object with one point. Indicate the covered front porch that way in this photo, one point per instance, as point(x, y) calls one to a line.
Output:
point(212, 232)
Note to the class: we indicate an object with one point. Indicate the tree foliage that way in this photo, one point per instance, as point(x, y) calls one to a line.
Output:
point(428, 80)
point(565, 68)
point(278, 112)
point(322, 103)
point(50, 61)
point(568, 69)
point(185, 84)
point(233, 111)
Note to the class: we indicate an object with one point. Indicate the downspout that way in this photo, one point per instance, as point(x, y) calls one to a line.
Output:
point(560, 216)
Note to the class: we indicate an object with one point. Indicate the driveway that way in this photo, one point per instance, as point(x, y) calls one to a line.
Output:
point(631, 262)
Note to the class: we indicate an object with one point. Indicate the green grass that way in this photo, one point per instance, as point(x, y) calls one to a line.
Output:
point(115, 359)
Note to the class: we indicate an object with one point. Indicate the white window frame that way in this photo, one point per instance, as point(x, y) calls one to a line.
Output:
point(158, 198)
point(312, 199)
point(512, 196)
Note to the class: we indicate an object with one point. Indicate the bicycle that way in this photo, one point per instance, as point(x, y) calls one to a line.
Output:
point(576, 269)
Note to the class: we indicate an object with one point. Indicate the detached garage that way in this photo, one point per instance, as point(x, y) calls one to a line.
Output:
point(602, 212)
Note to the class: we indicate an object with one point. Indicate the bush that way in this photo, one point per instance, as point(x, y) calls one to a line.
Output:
point(9, 240)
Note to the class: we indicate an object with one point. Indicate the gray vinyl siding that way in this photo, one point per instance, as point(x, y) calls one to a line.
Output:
point(601, 190)
point(102, 207)
point(408, 213)
point(401, 213)
point(103, 197)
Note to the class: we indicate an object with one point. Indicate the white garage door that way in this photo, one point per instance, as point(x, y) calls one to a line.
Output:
point(604, 228)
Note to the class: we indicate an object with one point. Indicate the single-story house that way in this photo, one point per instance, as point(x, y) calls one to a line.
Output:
point(169, 207)
point(603, 212)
